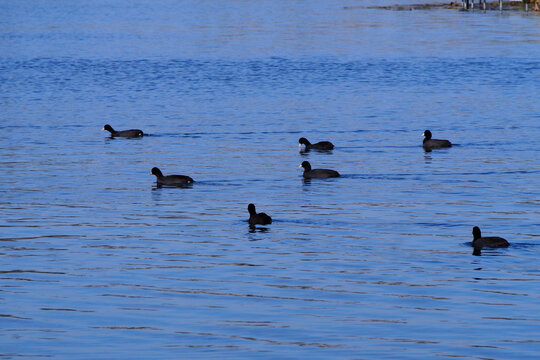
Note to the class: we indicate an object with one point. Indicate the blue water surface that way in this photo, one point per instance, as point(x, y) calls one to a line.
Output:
point(98, 263)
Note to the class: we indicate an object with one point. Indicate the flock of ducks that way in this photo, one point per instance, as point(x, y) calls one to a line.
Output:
point(255, 218)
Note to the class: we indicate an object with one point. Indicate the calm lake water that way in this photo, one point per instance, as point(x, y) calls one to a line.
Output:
point(96, 262)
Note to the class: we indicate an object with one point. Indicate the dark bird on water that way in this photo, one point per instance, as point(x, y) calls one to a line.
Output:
point(430, 143)
point(480, 241)
point(258, 219)
point(124, 133)
point(171, 180)
point(321, 145)
point(317, 173)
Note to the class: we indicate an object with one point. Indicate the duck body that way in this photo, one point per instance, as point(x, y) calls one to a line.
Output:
point(430, 143)
point(171, 180)
point(124, 133)
point(480, 241)
point(310, 173)
point(321, 145)
point(257, 218)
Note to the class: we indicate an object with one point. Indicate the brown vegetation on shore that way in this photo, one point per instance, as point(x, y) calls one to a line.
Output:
point(490, 5)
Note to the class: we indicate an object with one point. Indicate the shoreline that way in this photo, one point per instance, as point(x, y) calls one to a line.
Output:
point(490, 5)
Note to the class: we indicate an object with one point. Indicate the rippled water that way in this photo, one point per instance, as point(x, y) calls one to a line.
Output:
point(96, 262)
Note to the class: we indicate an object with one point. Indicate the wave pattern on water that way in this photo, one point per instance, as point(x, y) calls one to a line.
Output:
point(95, 259)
